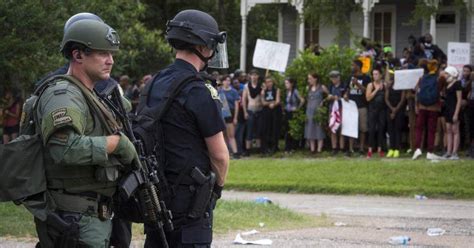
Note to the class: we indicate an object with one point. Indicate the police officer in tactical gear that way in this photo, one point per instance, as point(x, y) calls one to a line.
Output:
point(194, 148)
point(84, 152)
point(122, 230)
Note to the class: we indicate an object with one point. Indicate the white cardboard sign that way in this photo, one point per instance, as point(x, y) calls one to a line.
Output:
point(271, 55)
point(407, 79)
point(350, 119)
point(459, 54)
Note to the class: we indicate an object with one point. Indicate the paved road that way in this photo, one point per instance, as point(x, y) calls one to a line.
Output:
point(370, 220)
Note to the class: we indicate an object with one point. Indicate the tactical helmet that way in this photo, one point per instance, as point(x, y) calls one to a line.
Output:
point(194, 27)
point(92, 34)
point(81, 16)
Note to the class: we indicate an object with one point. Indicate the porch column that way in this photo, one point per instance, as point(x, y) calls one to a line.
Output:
point(433, 27)
point(301, 33)
point(433, 3)
point(366, 24)
point(244, 10)
point(367, 6)
point(243, 44)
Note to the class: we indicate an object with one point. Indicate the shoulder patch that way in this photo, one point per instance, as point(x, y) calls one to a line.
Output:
point(60, 117)
point(61, 87)
point(213, 91)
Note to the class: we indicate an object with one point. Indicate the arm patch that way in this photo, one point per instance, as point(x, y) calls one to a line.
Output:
point(213, 91)
point(60, 118)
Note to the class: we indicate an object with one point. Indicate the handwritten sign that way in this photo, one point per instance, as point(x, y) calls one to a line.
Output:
point(459, 54)
point(271, 55)
point(407, 79)
point(350, 119)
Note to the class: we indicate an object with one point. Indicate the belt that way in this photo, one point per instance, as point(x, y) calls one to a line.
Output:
point(87, 203)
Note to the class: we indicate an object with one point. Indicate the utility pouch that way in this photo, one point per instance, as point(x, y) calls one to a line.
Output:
point(22, 168)
point(67, 225)
point(106, 174)
point(129, 184)
point(203, 193)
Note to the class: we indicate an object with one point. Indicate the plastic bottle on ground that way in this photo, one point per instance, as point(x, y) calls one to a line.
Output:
point(399, 240)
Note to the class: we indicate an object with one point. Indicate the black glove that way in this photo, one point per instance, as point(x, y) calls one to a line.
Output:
point(217, 191)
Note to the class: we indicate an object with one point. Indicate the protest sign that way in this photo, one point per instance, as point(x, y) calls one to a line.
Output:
point(407, 79)
point(350, 119)
point(271, 55)
point(459, 54)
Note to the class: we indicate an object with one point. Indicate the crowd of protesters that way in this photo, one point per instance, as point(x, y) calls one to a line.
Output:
point(435, 117)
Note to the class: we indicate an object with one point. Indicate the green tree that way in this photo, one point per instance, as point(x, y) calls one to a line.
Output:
point(331, 58)
point(334, 13)
point(423, 11)
point(30, 39)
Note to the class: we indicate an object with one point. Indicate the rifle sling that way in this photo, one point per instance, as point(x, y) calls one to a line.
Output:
point(104, 115)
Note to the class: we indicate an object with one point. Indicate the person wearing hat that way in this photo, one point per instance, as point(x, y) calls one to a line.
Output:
point(336, 93)
point(85, 152)
point(194, 150)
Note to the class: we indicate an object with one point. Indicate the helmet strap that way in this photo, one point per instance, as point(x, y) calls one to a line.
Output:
point(203, 59)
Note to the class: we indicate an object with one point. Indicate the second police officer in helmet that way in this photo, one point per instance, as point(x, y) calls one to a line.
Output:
point(192, 127)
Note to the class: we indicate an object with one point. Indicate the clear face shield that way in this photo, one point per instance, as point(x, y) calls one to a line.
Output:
point(219, 60)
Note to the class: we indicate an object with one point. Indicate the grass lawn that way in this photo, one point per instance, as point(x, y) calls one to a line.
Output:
point(394, 177)
point(230, 216)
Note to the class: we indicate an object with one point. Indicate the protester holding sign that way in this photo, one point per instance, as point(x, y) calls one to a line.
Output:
point(356, 92)
point(271, 116)
point(336, 92)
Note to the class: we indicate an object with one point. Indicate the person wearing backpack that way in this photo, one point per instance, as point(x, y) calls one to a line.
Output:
point(190, 141)
point(122, 229)
point(427, 109)
point(84, 152)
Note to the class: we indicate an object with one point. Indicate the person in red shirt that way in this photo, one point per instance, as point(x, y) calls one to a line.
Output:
point(11, 117)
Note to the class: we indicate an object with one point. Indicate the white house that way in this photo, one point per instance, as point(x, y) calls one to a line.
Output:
point(385, 21)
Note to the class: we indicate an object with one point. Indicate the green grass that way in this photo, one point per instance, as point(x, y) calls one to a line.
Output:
point(230, 216)
point(16, 221)
point(244, 216)
point(394, 177)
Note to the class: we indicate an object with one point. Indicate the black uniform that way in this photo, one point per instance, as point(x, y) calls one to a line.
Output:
point(194, 115)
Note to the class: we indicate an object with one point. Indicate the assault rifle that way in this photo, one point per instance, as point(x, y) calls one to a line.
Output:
point(143, 181)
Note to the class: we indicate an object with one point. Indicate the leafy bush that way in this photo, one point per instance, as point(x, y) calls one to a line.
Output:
point(331, 58)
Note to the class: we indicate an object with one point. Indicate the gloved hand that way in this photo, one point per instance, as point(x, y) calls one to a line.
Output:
point(217, 191)
point(216, 195)
point(125, 151)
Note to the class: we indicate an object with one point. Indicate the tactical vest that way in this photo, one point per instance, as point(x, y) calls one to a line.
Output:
point(96, 178)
